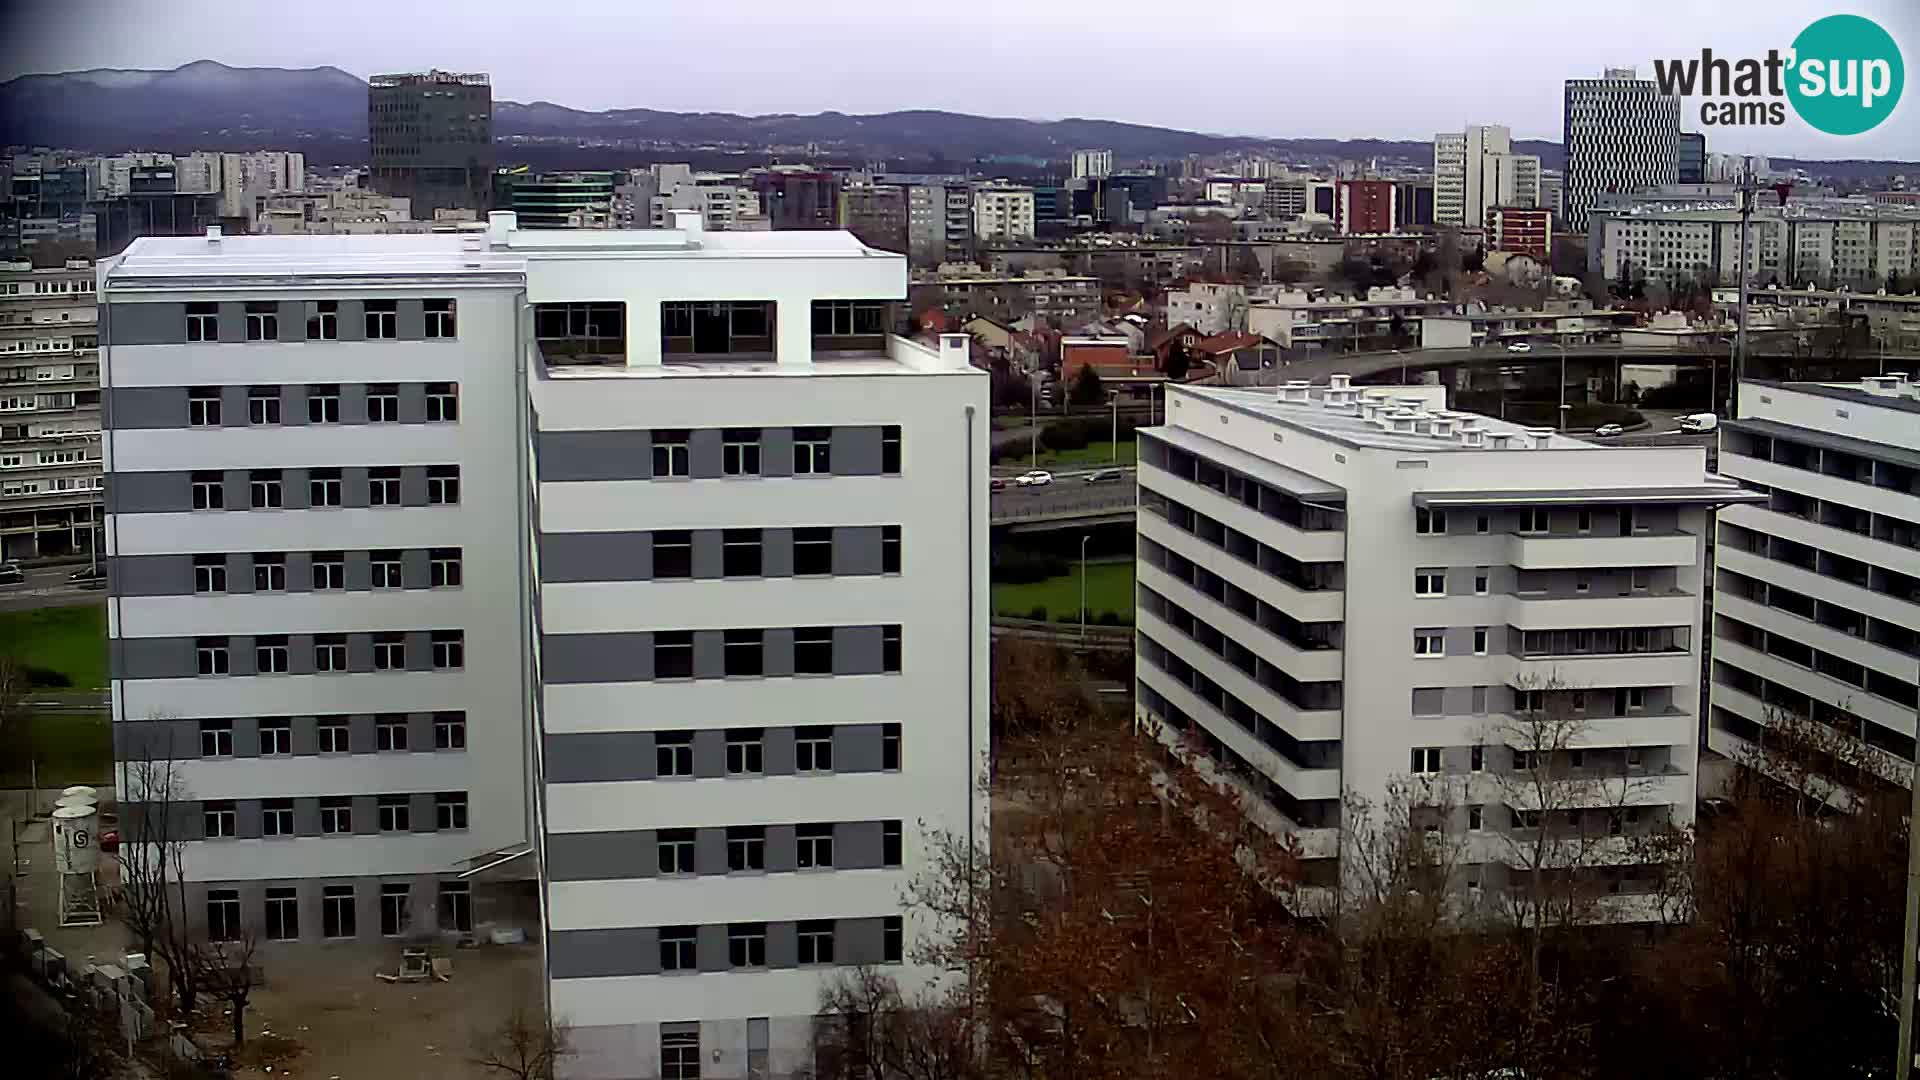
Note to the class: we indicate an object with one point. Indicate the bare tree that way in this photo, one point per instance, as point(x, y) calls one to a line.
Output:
point(226, 970)
point(865, 1029)
point(151, 900)
point(523, 1045)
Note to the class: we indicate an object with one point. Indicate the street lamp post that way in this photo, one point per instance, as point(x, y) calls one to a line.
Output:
point(1033, 421)
point(1115, 399)
point(1903, 1065)
point(1563, 386)
point(1083, 588)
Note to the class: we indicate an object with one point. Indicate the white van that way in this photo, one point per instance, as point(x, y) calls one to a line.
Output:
point(1704, 421)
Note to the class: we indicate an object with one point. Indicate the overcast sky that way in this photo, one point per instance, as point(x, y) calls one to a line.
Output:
point(1386, 68)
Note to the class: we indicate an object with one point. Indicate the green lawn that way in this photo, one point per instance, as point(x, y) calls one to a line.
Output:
point(1091, 456)
point(70, 640)
point(1109, 588)
point(68, 748)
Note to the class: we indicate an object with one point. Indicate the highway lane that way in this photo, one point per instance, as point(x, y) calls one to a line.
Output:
point(47, 586)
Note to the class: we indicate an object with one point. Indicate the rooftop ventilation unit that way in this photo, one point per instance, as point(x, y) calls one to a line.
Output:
point(1499, 440)
point(1541, 436)
point(1879, 385)
point(1473, 437)
point(1443, 427)
point(1339, 380)
point(1295, 392)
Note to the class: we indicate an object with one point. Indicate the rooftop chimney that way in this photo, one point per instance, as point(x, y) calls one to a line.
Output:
point(1339, 380)
point(500, 225)
point(1882, 385)
point(213, 234)
point(1498, 440)
point(1540, 436)
point(690, 222)
point(1470, 436)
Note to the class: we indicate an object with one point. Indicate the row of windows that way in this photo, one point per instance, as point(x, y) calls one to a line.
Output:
point(743, 652)
point(272, 653)
point(266, 488)
point(1537, 521)
point(746, 751)
point(741, 451)
point(264, 404)
point(380, 319)
point(333, 734)
point(747, 951)
point(339, 916)
point(747, 848)
point(742, 552)
point(329, 571)
point(220, 819)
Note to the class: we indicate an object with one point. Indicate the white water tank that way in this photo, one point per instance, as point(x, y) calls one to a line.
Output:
point(76, 846)
point(65, 801)
point(80, 789)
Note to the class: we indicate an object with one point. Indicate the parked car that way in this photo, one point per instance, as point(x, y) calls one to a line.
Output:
point(92, 577)
point(1608, 431)
point(997, 484)
point(1035, 478)
point(1105, 476)
point(1520, 347)
point(11, 574)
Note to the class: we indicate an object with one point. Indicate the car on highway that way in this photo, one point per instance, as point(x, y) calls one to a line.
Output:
point(1035, 478)
point(1520, 347)
point(11, 574)
point(92, 577)
point(998, 483)
point(1608, 431)
point(1105, 476)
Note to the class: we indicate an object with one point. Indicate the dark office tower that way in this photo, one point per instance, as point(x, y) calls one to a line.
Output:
point(431, 138)
point(798, 198)
point(1693, 157)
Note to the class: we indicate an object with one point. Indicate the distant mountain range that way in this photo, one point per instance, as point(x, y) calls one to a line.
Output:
point(207, 105)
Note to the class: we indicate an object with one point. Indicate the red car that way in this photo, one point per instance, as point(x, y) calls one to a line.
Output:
point(997, 484)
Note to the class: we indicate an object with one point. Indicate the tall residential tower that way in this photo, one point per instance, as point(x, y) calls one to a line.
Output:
point(1621, 134)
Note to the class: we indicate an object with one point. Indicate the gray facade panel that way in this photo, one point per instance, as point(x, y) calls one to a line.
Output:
point(306, 811)
point(299, 654)
point(148, 324)
point(776, 452)
point(703, 453)
point(413, 567)
point(856, 748)
point(126, 408)
point(299, 571)
point(366, 812)
point(711, 948)
point(293, 404)
point(246, 817)
point(306, 735)
point(413, 485)
point(708, 550)
point(776, 552)
point(710, 851)
point(777, 751)
point(149, 492)
point(857, 845)
point(596, 556)
point(856, 451)
point(239, 572)
point(595, 455)
point(246, 736)
point(782, 850)
point(783, 945)
point(233, 406)
point(857, 650)
point(596, 658)
point(586, 954)
point(294, 491)
point(150, 575)
point(419, 650)
point(353, 405)
point(413, 403)
point(709, 753)
point(421, 811)
point(233, 321)
point(357, 572)
point(600, 757)
point(856, 549)
point(293, 320)
point(353, 322)
point(601, 856)
point(155, 658)
point(138, 740)
point(709, 660)
point(360, 735)
point(420, 731)
point(777, 651)
point(411, 324)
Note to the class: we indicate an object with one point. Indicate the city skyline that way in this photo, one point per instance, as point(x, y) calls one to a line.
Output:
point(785, 66)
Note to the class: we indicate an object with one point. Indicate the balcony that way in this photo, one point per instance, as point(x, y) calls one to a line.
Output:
point(1543, 552)
point(1299, 782)
point(1576, 612)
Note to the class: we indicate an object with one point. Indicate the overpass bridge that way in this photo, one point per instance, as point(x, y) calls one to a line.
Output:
point(1365, 365)
point(1064, 505)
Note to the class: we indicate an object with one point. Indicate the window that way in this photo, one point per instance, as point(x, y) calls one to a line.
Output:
point(813, 749)
point(383, 319)
point(890, 843)
point(456, 906)
point(216, 738)
point(443, 568)
point(890, 747)
point(812, 551)
point(746, 848)
point(1426, 759)
point(335, 735)
point(893, 940)
point(203, 322)
point(1632, 699)
point(283, 914)
point(223, 914)
point(443, 485)
point(847, 318)
point(263, 405)
point(746, 749)
point(673, 654)
point(384, 567)
point(680, 1054)
point(740, 452)
point(812, 450)
point(670, 453)
point(336, 815)
point(323, 403)
point(1530, 701)
point(1482, 524)
point(396, 908)
point(389, 652)
point(443, 403)
point(890, 649)
point(747, 945)
point(209, 493)
point(816, 941)
point(269, 572)
point(210, 656)
point(1582, 583)
point(743, 653)
point(889, 549)
point(1479, 641)
point(1526, 819)
point(1585, 523)
point(449, 731)
point(1527, 760)
point(276, 736)
point(1636, 757)
point(449, 650)
point(740, 552)
point(813, 650)
point(395, 813)
point(1429, 522)
point(219, 819)
point(672, 554)
point(439, 318)
point(383, 403)
point(673, 754)
point(323, 320)
point(450, 810)
point(1429, 643)
point(276, 817)
point(890, 449)
point(324, 487)
point(263, 489)
point(1533, 521)
point(390, 732)
point(815, 846)
point(203, 406)
point(1479, 762)
point(1639, 579)
point(329, 570)
point(1476, 817)
point(1480, 580)
point(1429, 583)
point(209, 573)
point(336, 911)
point(676, 851)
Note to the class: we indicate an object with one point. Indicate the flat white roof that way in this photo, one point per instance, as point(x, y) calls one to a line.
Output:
point(1347, 427)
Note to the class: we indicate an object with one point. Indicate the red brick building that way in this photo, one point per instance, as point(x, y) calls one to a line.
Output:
point(1524, 229)
point(1365, 206)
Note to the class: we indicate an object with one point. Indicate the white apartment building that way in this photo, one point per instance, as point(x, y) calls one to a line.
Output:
point(1209, 307)
point(1002, 213)
point(1342, 587)
point(1092, 163)
point(1621, 134)
point(1817, 593)
point(1477, 169)
point(1819, 242)
point(49, 411)
point(725, 202)
point(512, 579)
